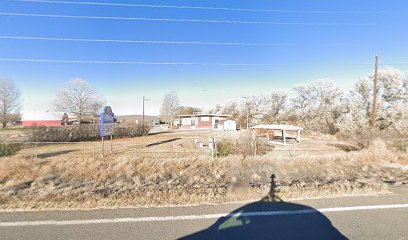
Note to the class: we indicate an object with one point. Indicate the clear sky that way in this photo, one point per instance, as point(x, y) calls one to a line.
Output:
point(341, 37)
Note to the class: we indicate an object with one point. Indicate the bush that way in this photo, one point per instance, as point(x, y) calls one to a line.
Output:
point(243, 146)
point(363, 137)
point(225, 148)
point(83, 133)
point(131, 130)
point(9, 149)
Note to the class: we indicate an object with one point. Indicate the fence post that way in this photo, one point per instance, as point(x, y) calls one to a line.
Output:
point(103, 148)
point(216, 149)
point(255, 146)
point(111, 144)
point(213, 148)
point(94, 151)
point(36, 154)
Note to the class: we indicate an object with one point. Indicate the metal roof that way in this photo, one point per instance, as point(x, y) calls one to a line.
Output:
point(39, 116)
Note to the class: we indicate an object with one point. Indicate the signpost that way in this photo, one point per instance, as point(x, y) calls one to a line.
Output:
point(107, 123)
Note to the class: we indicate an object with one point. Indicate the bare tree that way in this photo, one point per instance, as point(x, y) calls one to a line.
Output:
point(273, 105)
point(232, 109)
point(80, 99)
point(169, 107)
point(319, 105)
point(251, 110)
point(185, 110)
point(217, 110)
point(392, 105)
point(9, 101)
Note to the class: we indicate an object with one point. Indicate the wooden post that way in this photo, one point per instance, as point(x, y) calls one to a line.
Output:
point(298, 136)
point(374, 112)
point(102, 150)
point(253, 142)
point(284, 136)
point(111, 143)
point(213, 147)
point(216, 149)
point(36, 154)
point(255, 147)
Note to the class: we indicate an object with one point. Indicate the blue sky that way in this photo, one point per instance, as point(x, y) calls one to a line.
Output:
point(341, 52)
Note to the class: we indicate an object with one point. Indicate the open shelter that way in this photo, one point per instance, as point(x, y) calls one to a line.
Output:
point(281, 128)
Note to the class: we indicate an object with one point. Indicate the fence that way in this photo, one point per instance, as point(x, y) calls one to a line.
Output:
point(97, 150)
point(174, 148)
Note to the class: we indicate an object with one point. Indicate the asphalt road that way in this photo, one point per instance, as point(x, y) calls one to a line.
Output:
point(362, 217)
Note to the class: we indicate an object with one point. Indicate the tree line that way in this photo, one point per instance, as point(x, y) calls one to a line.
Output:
point(320, 106)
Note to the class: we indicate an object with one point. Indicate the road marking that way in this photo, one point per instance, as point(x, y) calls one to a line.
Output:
point(197, 217)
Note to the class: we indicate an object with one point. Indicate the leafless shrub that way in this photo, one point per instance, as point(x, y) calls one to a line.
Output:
point(83, 132)
point(131, 130)
point(244, 146)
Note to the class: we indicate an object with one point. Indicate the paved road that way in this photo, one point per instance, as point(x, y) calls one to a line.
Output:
point(363, 217)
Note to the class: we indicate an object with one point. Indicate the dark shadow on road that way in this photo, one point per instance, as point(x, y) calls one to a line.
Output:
point(54, 154)
point(271, 220)
point(162, 142)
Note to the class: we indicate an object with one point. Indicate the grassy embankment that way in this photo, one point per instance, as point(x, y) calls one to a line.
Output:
point(134, 178)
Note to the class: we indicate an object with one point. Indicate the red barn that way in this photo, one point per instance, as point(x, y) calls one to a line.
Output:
point(42, 119)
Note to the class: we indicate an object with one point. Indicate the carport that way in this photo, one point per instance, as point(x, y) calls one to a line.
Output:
point(281, 128)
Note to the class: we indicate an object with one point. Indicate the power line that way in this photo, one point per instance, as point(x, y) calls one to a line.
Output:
point(131, 62)
point(161, 42)
point(176, 20)
point(198, 7)
point(168, 63)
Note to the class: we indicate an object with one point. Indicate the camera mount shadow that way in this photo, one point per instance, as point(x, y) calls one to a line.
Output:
point(271, 218)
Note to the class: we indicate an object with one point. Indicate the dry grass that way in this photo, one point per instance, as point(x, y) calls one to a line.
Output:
point(126, 178)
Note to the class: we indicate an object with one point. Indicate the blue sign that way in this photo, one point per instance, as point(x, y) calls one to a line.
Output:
point(107, 122)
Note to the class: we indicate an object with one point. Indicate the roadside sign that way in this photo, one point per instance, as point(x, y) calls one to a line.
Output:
point(107, 122)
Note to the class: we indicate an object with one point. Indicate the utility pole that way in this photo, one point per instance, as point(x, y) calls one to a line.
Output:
point(143, 124)
point(375, 95)
point(246, 103)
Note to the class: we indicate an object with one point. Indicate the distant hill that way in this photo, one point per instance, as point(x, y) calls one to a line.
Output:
point(137, 119)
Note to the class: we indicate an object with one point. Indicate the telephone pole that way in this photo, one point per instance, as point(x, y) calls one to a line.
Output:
point(247, 106)
point(144, 99)
point(375, 95)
